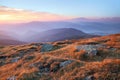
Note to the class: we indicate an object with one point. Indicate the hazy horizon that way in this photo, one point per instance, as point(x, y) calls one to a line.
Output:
point(21, 19)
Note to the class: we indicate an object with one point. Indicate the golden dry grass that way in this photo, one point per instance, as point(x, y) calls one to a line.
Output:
point(104, 66)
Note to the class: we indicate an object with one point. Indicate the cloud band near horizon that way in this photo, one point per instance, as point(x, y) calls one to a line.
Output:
point(12, 15)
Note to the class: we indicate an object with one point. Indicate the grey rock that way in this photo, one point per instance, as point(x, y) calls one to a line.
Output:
point(92, 52)
point(112, 49)
point(44, 70)
point(46, 47)
point(15, 59)
point(90, 49)
point(65, 63)
point(90, 78)
point(21, 53)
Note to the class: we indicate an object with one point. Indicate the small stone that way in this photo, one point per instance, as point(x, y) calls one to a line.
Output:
point(90, 77)
point(44, 70)
point(65, 63)
point(15, 59)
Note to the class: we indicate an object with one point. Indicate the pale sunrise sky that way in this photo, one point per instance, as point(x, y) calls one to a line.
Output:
point(52, 10)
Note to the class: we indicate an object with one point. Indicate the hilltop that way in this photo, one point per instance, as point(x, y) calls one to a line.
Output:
point(84, 59)
point(100, 26)
point(8, 40)
point(58, 35)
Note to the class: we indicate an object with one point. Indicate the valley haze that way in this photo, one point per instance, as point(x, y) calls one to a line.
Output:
point(25, 31)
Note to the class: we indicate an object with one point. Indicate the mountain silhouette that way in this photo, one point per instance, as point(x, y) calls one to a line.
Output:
point(58, 34)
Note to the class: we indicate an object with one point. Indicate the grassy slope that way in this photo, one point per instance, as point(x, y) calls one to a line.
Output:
point(105, 66)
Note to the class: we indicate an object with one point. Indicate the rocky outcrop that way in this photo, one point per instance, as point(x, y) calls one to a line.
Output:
point(46, 47)
point(91, 50)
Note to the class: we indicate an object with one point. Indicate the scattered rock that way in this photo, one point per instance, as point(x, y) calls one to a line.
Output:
point(90, 49)
point(44, 70)
point(15, 59)
point(42, 67)
point(90, 77)
point(65, 63)
point(20, 53)
point(46, 47)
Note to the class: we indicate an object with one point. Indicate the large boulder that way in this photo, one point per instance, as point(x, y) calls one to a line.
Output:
point(90, 49)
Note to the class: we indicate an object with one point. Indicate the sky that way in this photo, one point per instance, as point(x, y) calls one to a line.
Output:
point(52, 10)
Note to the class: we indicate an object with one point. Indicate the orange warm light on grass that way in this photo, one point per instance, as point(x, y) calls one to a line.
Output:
point(19, 15)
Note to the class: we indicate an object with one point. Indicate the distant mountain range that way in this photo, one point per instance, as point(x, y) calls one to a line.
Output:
point(3, 35)
point(111, 25)
point(8, 40)
point(47, 36)
point(41, 31)
point(58, 34)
